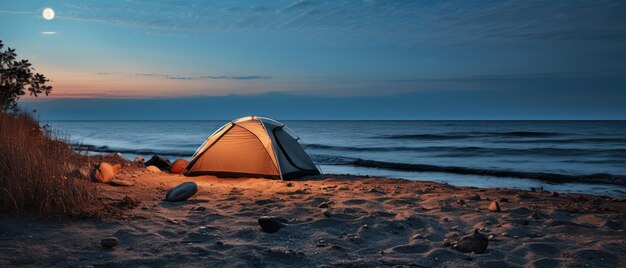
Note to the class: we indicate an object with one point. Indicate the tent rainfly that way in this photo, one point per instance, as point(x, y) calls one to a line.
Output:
point(252, 146)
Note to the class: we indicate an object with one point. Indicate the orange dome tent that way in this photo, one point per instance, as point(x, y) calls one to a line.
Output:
point(252, 147)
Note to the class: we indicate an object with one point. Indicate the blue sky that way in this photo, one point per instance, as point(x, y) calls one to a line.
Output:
point(356, 59)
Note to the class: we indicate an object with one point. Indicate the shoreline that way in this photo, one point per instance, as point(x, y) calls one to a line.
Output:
point(614, 185)
point(370, 222)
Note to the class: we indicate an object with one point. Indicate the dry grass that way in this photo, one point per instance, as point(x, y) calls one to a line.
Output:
point(34, 168)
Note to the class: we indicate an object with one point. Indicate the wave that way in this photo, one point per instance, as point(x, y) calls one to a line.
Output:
point(544, 176)
point(107, 149)
point(526, 134)
point(427, 137)
point(566, 141)
point(474, 134)
point(468, 151)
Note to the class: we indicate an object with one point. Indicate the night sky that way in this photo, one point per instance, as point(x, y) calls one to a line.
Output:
point(310, 59)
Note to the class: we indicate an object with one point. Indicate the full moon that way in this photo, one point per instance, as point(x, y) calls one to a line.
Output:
point(48, 13)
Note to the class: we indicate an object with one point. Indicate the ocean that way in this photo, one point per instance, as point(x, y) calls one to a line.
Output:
point(506, 154)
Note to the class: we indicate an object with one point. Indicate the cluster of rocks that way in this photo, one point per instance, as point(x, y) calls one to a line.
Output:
point(111, 165)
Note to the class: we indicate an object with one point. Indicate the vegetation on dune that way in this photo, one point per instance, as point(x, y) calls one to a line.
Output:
point(17, 78)
point(35, 171)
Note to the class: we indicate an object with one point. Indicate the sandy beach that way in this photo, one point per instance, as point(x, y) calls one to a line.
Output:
point(329, 221)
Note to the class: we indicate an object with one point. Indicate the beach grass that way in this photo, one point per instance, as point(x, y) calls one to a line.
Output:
point(34, 168)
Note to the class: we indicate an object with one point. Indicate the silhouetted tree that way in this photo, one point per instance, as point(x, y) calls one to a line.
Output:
point(16, 77)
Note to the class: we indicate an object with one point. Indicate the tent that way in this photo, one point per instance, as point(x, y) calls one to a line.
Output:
point(252, 146)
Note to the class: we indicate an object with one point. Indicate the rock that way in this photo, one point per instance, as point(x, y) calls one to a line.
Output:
point(460, 202)
point(503, 200)
point(178, 166)
point(81, 173)
point(612, 224)
point(376, 191)
point(104, 172)
point(139, 160)
point(554, 194)
point(476, 243)
point(327, 213)
point(109, 242)
point(494, 207)
point(446, 243)
point(445, 219)
point(418, 236)
point(182, 192)
point(473, 197)
point(160, 162)
point(324, 205)
point(270, 224)
point(118, 182)
point(153, 169)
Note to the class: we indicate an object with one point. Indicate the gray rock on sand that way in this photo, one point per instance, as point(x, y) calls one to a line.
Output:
point(270, 224)
point(376, 190)
point(324, 205)
point(118, 182)
point(327, 213)
point(476, 243)
point(109, 242)
point(182, 192)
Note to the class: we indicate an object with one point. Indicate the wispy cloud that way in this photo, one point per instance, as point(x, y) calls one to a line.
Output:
point(191, 77)
point(48, 33)
point(401, 22)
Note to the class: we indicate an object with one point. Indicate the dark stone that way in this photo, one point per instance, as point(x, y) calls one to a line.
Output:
point(473, 197)
point(327, 213)
point(476, 243)
point(324, 205)
point(182, 192)
point(270, 224)
point(162, 163)
point(109, 242)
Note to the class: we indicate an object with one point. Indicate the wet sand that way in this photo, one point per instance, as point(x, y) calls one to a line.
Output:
point(369, 222)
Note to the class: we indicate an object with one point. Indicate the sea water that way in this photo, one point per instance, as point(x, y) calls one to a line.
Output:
point(522, 153)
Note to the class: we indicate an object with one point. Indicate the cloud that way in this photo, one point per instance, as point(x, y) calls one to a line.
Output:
point(396, 22)
point(301, 4)
point(48, 33)
point(191, 77)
